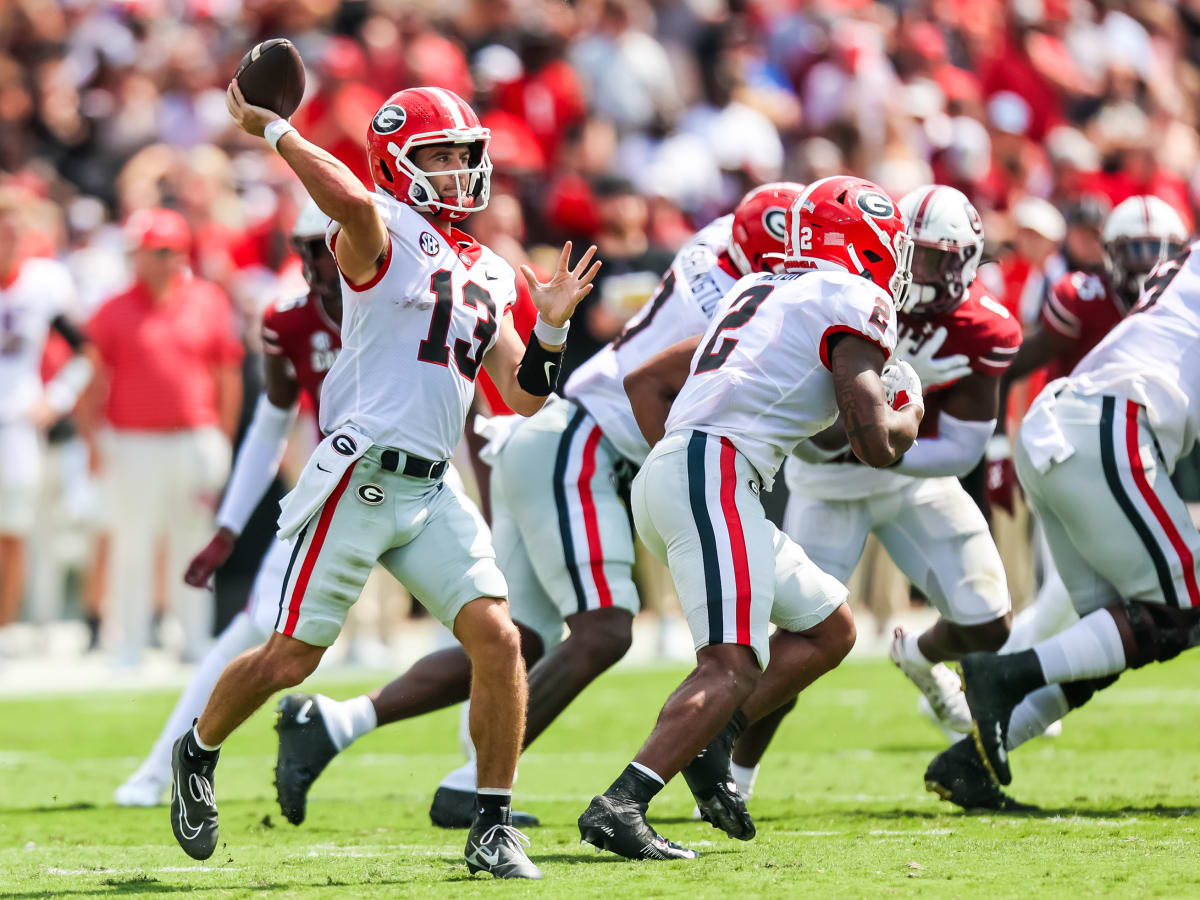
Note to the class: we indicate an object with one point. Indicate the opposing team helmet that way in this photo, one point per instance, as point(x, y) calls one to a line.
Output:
point(1139, 234)
point(308, 240)
point(848, 223)
point(947, 236)
point(760, 227)
point(417, 117)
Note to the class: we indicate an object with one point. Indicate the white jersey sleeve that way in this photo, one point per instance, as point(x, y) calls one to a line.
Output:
point(680, 308)
point(1153, 356)
point(42, 290)
point(761, 375)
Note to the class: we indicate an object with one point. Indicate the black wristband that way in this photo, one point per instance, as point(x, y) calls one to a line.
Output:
point(538, 374)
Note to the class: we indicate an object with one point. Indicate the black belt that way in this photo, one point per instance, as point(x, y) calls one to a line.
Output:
point(414, 466)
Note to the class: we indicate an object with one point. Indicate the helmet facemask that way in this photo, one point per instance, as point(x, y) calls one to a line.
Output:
point(1130, 260)
point(472, 184)
point(941, 276)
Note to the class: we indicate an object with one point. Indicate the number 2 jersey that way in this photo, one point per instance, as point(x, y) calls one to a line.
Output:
point(414, 336)
point(681, 307)
point(979, 328)
point(1152, 357)
point(761, 375)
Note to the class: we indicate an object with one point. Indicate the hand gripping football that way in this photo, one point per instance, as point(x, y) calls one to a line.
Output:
point(271, 75)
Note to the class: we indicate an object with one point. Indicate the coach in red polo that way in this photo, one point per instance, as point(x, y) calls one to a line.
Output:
point(172, 374)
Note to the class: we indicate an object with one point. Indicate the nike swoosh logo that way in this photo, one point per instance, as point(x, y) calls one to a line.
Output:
point(489, 276)
point(483, 857)
point(185, 827)
point(302, 717)
point(323, 469)
point(549, 371)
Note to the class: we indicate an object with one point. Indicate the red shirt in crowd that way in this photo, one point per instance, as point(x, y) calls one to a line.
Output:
point(159, 356)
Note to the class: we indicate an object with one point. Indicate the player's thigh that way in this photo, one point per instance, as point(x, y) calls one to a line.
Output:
point(558, 476)
point(805, 595)
point(451, 561)
point(831, 532)
point(1087, 589)
point(528, 603)
point(1116, 503)
point(331, 557)
point(263, 604)
point(940, 540)
point(701, 498)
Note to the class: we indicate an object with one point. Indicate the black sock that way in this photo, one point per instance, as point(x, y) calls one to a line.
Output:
point(1023, 671)
point(194, 751)
point(495, 808)
point(93, 626)
point(634, 784)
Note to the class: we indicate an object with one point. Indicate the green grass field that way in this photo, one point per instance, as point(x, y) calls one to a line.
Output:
point(840, 804)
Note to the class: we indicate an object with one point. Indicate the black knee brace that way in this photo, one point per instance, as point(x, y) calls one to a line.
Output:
point(1080, 692)
point(1161, 633)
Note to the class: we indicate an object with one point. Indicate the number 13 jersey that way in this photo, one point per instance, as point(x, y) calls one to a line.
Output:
point(761, 375)
point(414, 336)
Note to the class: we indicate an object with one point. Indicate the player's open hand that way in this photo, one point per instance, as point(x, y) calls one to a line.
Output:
point(557, 298)
point(212, 557)
point(251, 119)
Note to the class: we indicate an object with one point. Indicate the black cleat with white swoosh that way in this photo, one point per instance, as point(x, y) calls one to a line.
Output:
point(305, 749)
point(994, 684)
point(193, 802)
point(496, 847)
point(619, 825)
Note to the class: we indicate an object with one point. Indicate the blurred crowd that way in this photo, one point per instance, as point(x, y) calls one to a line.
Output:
point(628, 123)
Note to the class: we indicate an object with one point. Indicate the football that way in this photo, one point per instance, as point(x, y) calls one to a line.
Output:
point(271, 75)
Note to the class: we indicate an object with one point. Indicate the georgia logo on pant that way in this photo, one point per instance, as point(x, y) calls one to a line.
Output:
point(370, 494)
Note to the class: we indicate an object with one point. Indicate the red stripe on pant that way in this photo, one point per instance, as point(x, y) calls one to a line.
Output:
point(737, 540)
point(1156, 507)
point(314, 551)
point(591, 525)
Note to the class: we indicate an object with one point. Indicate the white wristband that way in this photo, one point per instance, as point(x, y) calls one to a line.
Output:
point(275, 130)
point(550, 335)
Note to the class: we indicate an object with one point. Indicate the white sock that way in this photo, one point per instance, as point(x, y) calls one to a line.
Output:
point(1037, 712)
point(913, 653)
point(645, 770)
point(461, 779)
point(1091, 648)
point(199, 743)
point(744, 777)
point(349, 720)
point(239, 635)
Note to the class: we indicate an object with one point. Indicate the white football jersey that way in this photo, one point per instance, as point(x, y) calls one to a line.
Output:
point(1153, 356)
point(42, 290)
point(761, 377)
point(681, 307)
point(414, 337)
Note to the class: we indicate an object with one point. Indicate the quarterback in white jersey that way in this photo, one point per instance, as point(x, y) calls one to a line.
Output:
point(560, 521)
point(423, 308)
point(1094, 455)
point(36, 296)
point(784, 355)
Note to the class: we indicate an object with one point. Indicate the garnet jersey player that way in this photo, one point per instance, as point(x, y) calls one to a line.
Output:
point(960, 342)
point(424, 306)
point(559, 481)
point(301, 338)
point(783, 355)
point(1095, 454)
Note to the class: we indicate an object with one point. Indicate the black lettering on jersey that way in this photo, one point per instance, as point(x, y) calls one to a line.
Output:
point(1159, 278)
point(435, 348)
point(665, 289)
point(745, 306)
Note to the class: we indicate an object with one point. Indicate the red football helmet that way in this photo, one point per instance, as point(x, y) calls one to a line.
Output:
point(760, 227)
point(429, 115)
point(849, 223)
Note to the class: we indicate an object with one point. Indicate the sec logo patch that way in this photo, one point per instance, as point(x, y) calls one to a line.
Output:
point(429, 244)
point(370, 494)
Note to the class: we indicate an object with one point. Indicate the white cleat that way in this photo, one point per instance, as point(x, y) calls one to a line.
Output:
point(1053, 730)
point(941, 687)
point(141, 790)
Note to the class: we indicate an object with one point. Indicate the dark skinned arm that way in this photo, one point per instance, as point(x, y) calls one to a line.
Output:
point(878, 434)
point(653, 386)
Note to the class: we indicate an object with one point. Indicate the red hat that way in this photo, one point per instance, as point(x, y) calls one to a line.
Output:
point(158, 228)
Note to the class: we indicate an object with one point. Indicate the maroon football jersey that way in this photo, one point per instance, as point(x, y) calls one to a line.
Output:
point(979, 327)
point(1082, 308)
point(301, 331)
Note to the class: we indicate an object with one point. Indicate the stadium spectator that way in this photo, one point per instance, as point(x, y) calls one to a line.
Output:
point(171, 389)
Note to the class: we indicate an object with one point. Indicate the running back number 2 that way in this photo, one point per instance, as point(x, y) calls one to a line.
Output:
point(744, 308)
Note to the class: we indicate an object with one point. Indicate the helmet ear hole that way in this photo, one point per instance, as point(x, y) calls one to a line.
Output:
point(841, 198)
point(873, 256)
point(386, 170)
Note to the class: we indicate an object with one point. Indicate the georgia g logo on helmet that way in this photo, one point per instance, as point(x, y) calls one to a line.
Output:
point(389, 118)
point(774, 221)
point(876, 205)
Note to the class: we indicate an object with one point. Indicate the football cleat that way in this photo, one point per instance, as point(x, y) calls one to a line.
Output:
point(959, 776)
point(141, 789)
point(456, 809)
point(305, 749)
point(940, 686)
point(499, 849)
point(193, 801)
point(619, 826)
point(991, 696)
point(717, 797)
